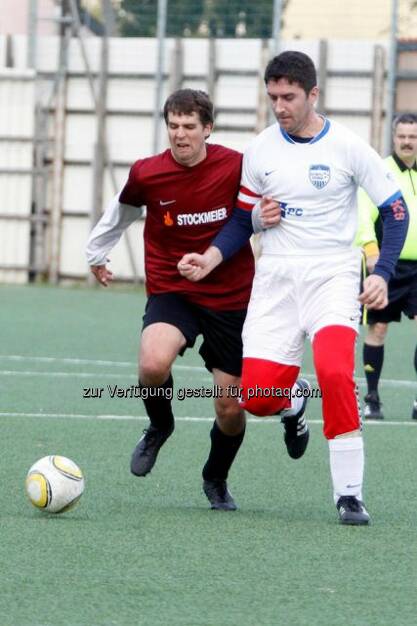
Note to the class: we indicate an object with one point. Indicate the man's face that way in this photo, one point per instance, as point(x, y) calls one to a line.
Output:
point(290, 104)
point(405, 142)
point(187, 138)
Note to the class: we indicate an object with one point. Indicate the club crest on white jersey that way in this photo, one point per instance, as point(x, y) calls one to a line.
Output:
point(315, 184)
point(319, 175)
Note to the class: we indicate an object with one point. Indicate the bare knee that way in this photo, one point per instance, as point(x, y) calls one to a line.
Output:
point(229, 416)
point(154, 368)
point(160, 345)
point(376, 334)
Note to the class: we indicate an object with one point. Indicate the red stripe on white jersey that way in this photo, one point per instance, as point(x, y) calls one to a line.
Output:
point(246, 199)
point(244, 205)
point(248, 192)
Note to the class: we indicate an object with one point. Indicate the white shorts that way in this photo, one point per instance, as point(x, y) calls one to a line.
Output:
point(294, 297)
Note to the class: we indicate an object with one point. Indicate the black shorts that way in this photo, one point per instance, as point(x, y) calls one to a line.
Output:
point(402, 295)
point(221, 330)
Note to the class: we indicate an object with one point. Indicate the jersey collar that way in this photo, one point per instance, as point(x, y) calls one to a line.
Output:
point(402, 166)
point(314, 139)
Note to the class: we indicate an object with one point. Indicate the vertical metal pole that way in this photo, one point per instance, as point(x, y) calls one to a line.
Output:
point(39, 186)
point(212, 73)
point(99, 161)
point(177, 66)
point(377, 97)
point(59, 151)
point(110, 24)
point(276, 40)
point(161, 33)
point(392, 76)
point(263, 112)
point(40, 137)
point(276, 25)
point(322, 78)
point(32, 32)
point(99, 156)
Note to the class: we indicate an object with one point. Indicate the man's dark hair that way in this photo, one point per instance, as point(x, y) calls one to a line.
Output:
point(404, 118)
point(188, 101)
point(296, 67)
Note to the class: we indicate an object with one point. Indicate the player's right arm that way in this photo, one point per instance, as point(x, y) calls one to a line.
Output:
point(117, 217)
point(106, 233)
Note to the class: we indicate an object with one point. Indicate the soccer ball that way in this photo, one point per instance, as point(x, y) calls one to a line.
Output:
point(54, 484)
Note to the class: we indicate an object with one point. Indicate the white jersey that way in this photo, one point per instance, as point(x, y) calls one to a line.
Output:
point(316, 185)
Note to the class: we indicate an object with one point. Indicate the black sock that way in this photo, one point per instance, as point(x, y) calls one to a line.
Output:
point(373, 359)
point(157, 401)
point(222, 453)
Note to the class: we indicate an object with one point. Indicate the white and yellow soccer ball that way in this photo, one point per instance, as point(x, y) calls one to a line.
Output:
point(54, 484)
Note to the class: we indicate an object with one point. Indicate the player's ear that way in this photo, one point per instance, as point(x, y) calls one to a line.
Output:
point(314, 94)
point(208, 128)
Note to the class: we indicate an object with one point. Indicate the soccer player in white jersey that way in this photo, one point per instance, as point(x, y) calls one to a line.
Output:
point(299, 183)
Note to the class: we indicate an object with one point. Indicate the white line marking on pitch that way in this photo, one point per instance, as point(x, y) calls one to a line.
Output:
point(197, 368)
point(252, 420)
point(124, 375)
point(53, 359)
point(62, 374)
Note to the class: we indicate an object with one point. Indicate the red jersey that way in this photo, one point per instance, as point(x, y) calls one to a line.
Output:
point(186, 208)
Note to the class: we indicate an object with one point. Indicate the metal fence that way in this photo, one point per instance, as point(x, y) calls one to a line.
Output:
point(72, 126)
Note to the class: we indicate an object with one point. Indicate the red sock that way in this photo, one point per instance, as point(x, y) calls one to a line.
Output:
point(334, 360)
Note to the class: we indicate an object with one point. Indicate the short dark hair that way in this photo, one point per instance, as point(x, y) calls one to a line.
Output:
point(296, 67)
point(187, 101)
point(404, 118)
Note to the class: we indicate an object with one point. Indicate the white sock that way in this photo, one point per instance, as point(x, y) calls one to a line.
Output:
point(346, 466)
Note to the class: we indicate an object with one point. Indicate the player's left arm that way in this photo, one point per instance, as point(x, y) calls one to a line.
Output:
point(372, 173)
point(395, 218)
point(394, 214)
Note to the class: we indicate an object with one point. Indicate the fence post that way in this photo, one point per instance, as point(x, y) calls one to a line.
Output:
point(177, 66)
point(212, 72)
point(99, 158)
point(262, 110)
point(322, 77)
point(377, 112)
point(59, 152)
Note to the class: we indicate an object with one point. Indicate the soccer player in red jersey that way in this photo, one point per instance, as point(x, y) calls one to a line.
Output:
point(189, 191)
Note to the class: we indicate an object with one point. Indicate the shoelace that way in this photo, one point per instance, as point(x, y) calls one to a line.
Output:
point(352, 502)
point(220, 486)
point(291, 424)
point(149, 437)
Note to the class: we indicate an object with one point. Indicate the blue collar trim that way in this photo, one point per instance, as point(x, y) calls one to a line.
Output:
point(321, 134)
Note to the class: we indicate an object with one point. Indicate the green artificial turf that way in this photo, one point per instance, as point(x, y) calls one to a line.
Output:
point(149, 551)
